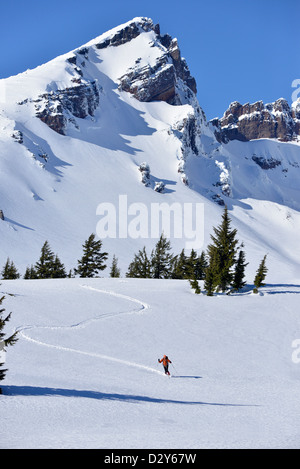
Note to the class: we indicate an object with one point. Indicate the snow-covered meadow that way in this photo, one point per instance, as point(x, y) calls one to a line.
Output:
point(84, 373)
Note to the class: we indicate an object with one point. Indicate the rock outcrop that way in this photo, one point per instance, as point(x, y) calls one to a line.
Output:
point(57, 108)
point(258, 120)
point(169, 79)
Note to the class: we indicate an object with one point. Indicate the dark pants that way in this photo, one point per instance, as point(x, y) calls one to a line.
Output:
point(166, 369)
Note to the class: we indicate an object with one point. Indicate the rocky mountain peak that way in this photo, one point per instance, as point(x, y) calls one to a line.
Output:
point(153, 71)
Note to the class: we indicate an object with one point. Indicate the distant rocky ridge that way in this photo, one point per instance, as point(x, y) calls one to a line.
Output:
point(258, 120)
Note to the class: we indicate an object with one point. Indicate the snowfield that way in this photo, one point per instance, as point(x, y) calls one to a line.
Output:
point(84, 373)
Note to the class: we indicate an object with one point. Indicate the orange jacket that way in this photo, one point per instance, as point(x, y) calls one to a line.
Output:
point(165, 360)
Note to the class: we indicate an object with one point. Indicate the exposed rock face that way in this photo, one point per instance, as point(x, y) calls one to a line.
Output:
point(252, 121)
point(161, 81)
point(56, 108)
point(128, 33)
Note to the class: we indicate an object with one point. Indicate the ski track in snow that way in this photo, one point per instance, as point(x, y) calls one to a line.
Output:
point(142, 307)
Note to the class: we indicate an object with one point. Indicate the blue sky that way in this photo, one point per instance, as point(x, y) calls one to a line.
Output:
point(243, 50)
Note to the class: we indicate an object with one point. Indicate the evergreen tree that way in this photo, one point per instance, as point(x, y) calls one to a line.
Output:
point(58, 269)
point(114, 271)
point(239, 273)
point(30, 273)
point(261, 274)
point(161, 259)
point(200, 266)
point(93, 259)
point(195, 285)
point(211, 273)
point(224, 251)
point(9, 271)
point(44, 266)
point(5, 342)
point(179, 266)
point(191, 265)
point(140, 267)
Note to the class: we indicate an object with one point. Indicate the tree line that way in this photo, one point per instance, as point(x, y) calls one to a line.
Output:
point(49, 264)
point(221, 267)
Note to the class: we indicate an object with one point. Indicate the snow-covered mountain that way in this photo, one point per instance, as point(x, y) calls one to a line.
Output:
point(117, 121)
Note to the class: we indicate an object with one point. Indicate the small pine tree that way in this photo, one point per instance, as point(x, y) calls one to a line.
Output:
point(44, 266)
point(30, 273)
point(200, 267)
point(161, 258)
point(115, 271)
point(5, 342)
point(261, 274)
point(195, 286)
point(92, 261)
point(58, 270)
point(9, 271)
point(140, 267)
point(179, 266)
point(224, 241)
point(239, 273)
point(191, 265)
point(211, 273)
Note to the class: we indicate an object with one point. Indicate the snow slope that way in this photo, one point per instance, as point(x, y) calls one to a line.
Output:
point(84, 373)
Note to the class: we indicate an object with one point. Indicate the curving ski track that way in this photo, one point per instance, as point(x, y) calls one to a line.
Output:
point(142, 306)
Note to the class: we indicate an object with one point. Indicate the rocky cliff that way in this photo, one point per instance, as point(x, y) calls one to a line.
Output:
point(258, 120)
point(161, 81)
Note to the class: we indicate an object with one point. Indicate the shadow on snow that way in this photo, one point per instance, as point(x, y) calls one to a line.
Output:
point(44, 391)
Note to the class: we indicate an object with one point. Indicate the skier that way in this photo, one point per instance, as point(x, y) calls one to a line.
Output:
point(165, 361)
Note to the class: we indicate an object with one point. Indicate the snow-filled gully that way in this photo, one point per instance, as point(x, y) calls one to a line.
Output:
point(142, 306)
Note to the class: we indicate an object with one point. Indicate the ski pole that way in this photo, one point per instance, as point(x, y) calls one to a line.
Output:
point(174, 367)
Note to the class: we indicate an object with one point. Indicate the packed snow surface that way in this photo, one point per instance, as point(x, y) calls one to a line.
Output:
point(84, 373)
